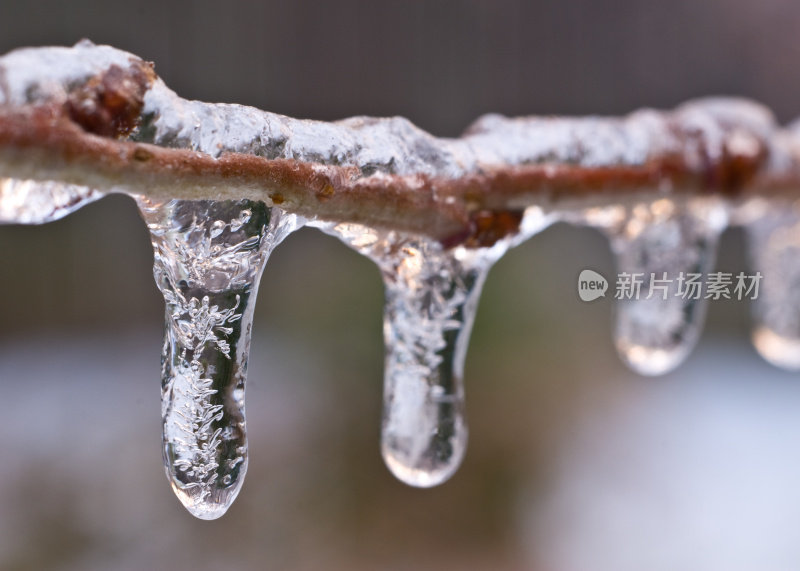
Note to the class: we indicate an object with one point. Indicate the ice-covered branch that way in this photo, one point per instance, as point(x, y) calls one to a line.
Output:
point(220, 186)
point(99, 120)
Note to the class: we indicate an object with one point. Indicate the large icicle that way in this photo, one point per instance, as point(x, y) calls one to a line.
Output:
point(774, 236)
point(431, 296)
point(665, 250)
point(208, 261)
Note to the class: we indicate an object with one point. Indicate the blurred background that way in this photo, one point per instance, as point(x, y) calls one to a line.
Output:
point(574, 463)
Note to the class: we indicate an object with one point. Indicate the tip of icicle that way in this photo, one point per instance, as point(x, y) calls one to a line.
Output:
point(415, 477)
point(780, 351)
point(422, 477)
point(649, 361)
point(207, 513)
point(205, 510)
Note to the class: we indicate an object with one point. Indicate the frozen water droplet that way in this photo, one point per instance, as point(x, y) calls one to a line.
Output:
point(209, 279)
point(664, 251)
point(774, 244)
point(431, 299)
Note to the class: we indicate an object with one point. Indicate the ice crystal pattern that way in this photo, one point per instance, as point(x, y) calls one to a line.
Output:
point(208, 260)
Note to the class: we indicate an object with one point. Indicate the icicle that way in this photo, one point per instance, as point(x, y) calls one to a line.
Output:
point(208, 261)
point(664, 251)
point(431, 299)
point(774, 236)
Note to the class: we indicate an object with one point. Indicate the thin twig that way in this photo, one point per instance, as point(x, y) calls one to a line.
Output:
point(99, 117)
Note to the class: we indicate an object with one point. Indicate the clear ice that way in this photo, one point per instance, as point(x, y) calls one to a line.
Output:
point(209, 256)
point(664, 250)
point(774, 244)
point(34, 202)
point(431, 296)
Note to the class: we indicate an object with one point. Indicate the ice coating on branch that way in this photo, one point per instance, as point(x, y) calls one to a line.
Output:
point(394, 146)
point(208, 261)
point(664, 251)
point(431, 296)
point(382, 145)
point(774, 244)
point(35, 75)
point(34, 202)
point(118, 127)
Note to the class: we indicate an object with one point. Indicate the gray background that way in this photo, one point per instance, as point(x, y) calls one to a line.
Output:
point(574, 463)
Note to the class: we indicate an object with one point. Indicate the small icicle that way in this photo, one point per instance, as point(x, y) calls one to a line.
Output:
point(664, 251)
point(774, 244)
point(431, 299)
point(209, 257)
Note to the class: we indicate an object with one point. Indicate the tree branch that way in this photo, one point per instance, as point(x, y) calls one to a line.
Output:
point(100, 118)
